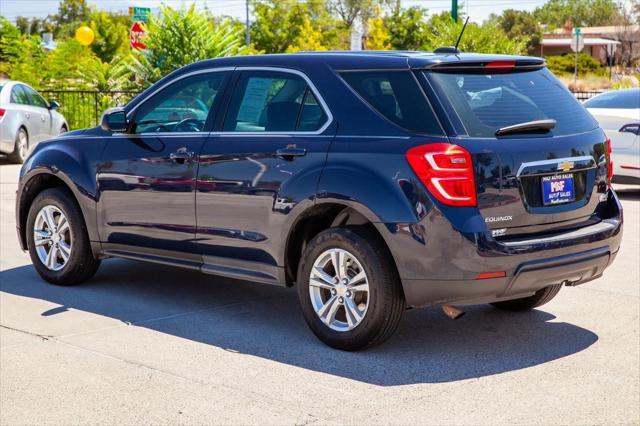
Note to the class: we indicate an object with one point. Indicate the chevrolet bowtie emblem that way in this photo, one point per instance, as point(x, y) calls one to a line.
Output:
point(565, 166)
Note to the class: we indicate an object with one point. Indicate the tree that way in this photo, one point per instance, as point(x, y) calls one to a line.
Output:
point(278, 25)
point(408, 28)
point(378, 37)
point(483, 38)
point(111, 34)
point(520, 25)
point(177, 38)
point(350, 10)
point(309, 39)
point(71, 14)
point(587, 13)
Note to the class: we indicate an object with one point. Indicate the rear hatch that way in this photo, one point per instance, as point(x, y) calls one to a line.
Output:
point(530, 178)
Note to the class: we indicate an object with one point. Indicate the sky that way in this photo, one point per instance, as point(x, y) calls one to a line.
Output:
point(478, 10)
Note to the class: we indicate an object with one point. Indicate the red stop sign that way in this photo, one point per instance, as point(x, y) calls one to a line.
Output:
point(136, 34)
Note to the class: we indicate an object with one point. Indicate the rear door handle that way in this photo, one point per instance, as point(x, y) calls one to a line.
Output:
point(289, 153)
point(181, 155)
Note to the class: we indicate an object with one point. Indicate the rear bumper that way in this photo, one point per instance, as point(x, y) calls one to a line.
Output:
point(441, 264)
point(529, 277)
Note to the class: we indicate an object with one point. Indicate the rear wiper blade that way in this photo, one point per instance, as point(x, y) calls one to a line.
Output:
point(528, 126)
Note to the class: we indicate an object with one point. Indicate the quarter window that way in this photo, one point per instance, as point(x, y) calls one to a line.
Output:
point(397, 96)
point(181, 107)
point(271, 101)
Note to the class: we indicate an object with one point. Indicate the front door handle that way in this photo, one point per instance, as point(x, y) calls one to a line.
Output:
point(290, 152)
point(181, 155)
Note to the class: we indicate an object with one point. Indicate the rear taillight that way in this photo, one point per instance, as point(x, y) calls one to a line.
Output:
point(607, 144)
point(2, 111)
point(447, 172)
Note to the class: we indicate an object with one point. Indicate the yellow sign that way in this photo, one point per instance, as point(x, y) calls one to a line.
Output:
point(85, 35)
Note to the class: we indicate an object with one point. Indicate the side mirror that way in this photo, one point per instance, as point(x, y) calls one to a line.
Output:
point(114, 120)
point(54, 105)
point(631, 128)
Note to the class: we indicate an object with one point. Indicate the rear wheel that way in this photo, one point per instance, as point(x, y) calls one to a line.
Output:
point(57, 239)
point(539, 298)
point(20, 148)
point(348, 289)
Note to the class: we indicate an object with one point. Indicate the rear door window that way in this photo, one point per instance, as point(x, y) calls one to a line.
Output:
point(486, 102)
point(273, 101)
point(19, 95)
point(397, 96)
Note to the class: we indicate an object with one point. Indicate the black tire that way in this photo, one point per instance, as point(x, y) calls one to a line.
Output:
point(81, 264)
point(20, 147)
point(385, 298)
point(527, 303)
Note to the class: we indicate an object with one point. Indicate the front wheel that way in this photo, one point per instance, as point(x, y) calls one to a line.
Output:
point(57, 239)
point(539, 298)
point(348, 288)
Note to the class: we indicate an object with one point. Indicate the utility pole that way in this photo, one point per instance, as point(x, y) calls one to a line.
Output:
point(454, 10)
point(247, 38)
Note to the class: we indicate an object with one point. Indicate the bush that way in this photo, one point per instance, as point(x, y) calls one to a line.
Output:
point(587, 65)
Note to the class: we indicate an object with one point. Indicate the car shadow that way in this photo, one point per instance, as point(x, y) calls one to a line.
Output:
point(265, 321)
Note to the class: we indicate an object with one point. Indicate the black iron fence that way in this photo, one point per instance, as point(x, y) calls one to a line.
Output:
point(83, 108)
point(583, 96)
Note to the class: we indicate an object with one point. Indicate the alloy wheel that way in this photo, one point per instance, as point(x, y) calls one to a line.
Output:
point(339, 290)
point(52, 238)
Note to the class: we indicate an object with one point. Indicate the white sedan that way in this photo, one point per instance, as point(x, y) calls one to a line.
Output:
point(25, 119)
point(618, 113)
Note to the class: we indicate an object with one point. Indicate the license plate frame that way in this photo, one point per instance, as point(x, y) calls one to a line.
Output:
point(558, 189)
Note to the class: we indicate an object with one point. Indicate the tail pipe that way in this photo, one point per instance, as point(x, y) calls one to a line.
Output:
point(452, 312)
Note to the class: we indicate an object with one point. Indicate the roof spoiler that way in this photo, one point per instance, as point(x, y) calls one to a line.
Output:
point(489, 66)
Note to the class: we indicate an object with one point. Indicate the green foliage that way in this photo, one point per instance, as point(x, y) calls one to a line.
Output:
point(563, 65)
point(519, 25)
point(408, 28)
point(477, 38)
point(586, 13)
point(177, 38)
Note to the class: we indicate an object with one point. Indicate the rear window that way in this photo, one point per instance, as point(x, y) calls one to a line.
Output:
point(486, 102)
point(397, 96)
point(623, 99)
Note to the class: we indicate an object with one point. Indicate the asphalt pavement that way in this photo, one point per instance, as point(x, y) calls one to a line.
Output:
point(142, 343)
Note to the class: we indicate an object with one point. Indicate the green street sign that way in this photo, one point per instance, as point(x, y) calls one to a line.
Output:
point(139, 13)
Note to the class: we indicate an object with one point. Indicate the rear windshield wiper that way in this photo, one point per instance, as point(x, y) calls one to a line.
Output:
point(528, 126)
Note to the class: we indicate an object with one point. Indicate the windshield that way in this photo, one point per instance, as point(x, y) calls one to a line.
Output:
point(485, 103)
point(620, 99)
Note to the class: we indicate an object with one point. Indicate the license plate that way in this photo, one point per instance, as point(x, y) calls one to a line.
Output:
point(557, 189)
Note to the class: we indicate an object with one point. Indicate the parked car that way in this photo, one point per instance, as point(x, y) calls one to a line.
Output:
point(26, 118)
point(618, 113)
point(367, 180)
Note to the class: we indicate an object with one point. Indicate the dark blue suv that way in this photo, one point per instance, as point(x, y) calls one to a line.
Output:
point(373, 181)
